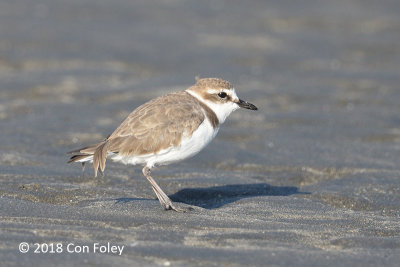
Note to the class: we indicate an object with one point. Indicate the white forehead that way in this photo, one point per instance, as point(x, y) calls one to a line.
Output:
point(234, 95)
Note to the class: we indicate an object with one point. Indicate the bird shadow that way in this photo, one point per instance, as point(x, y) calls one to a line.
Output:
point(218, 196)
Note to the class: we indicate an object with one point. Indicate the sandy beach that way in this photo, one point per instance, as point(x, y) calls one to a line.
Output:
point(311, 179)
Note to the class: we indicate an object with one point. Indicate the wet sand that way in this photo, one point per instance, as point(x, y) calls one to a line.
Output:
point(312, 178)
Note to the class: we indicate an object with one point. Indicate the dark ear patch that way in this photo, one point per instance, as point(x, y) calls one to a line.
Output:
point(211, 97)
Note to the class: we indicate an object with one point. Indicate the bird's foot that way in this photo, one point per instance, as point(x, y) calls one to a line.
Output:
point(170, 206)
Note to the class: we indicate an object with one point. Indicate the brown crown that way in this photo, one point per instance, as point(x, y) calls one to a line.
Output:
point(216, 83)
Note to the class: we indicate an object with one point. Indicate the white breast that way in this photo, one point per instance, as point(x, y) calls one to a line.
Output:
point(189, 146)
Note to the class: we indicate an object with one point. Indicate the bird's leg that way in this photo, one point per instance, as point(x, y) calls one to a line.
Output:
point(83, 169)
point(162, 197)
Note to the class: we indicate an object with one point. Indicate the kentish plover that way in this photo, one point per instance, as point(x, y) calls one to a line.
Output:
point(167, 129)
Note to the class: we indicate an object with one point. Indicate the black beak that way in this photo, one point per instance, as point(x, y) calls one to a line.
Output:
point(245, 104)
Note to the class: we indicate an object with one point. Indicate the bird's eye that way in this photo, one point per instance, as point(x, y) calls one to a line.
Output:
point(222, 95)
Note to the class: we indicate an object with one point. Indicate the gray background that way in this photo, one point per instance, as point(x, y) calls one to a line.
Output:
point(312, 178)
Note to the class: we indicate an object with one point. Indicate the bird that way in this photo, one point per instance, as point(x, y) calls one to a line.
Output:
point(165, 130)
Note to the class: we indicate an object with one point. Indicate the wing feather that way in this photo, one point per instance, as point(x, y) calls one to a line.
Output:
point(156, 125)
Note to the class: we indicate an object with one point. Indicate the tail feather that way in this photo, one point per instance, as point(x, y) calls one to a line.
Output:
point(97, 153)
point(80, 158)
point(85, 150)
point(99, 158)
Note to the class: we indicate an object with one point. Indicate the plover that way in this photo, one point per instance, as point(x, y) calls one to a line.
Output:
point(166, 129)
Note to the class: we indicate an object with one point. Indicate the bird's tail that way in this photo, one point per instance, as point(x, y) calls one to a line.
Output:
point(95, 153)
